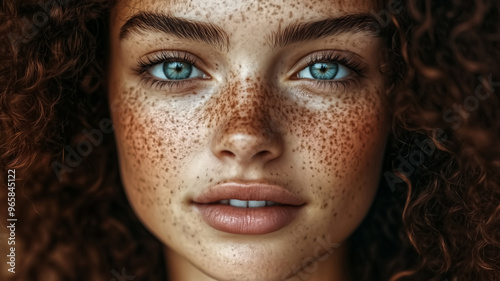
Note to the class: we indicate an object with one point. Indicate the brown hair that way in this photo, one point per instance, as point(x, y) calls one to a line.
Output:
point(436, 215)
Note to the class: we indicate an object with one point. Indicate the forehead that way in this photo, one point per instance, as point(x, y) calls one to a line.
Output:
point(231, 13)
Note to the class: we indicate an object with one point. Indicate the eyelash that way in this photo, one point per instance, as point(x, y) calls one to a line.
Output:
point(144, 65)
point(347, 60)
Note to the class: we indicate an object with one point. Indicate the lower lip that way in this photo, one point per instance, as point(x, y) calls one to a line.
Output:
point(254, 221)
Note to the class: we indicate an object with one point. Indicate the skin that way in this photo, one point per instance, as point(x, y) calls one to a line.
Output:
point(250, 119)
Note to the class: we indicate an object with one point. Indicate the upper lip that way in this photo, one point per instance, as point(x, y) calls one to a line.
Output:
point(254, 191)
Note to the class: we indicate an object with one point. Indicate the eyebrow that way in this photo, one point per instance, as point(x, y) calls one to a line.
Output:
point(216, 36)
point(299, 32)
point(182, 28)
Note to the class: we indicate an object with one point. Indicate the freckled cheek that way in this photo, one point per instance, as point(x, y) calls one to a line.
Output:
point(153, 143)
point(359, 163)
point(343, 140)
point(346, 142)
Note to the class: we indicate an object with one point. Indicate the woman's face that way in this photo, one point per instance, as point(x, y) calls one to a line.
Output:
point(276, 101)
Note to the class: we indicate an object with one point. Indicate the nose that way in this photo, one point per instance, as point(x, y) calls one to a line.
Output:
point(248, 135)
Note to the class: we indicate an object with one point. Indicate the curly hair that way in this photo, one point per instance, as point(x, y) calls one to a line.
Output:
point(436, 215)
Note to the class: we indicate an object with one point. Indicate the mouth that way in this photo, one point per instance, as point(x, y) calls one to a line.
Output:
point(252, 209)
point(246, 203)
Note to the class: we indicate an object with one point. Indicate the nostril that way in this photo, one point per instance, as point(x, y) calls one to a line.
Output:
point(227, 153)
point(262, 154)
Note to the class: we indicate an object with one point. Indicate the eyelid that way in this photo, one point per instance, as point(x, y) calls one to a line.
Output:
point(158, 57)
point(147, 61)
point(160, 67)
point(348, 59)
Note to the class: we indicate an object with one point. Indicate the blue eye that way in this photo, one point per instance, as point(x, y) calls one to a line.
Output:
point(175, 70)
point(324, 71)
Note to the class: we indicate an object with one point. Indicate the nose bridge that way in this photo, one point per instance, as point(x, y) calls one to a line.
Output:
point(252, 107)
point(248, 130)
point(251, 110)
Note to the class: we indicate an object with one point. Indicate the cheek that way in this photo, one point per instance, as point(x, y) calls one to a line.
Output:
point(153, 141)
point(343, 146)
point(346, 135)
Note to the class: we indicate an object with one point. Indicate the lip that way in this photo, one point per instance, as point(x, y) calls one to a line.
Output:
point(250, 221)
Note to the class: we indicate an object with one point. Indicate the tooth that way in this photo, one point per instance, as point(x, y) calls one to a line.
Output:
point(270, 203)
point(255, 204)
point(224, 202)
point(238, 203)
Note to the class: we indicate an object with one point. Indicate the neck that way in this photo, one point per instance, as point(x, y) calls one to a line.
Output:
point(334, 266)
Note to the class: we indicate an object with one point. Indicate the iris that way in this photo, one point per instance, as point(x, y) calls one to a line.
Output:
point(177, 70)
point(324, 70)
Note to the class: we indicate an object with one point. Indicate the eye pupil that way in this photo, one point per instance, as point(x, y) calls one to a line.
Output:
point(177, 70)
point(324, 70)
